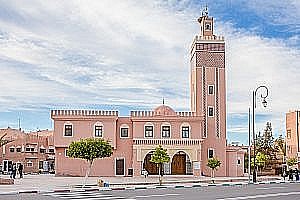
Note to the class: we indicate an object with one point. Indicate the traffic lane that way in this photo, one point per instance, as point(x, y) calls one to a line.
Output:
point(26, 197)
point(211, 192)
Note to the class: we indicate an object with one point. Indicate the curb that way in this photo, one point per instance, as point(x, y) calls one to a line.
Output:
point(175, 186)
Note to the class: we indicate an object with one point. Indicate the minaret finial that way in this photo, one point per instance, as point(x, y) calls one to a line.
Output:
point(205, 11)
point(163, 101)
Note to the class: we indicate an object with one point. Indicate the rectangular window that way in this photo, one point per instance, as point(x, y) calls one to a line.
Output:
point(11, 150)
point(210, 153)
point(27, 149)
point(185, 131)
point(210, 111)
point(51, 150)
point(66, 153)
point(98, 131)
point(148, 131)
point(124, 132)
point(32, 149)
point(29, 164)
point(42, 150)
point(68, 130)
point(288, 133)
point(18, 149)
point(41, 163)
point(210, 89)
point(166, 131)
point(238, 161)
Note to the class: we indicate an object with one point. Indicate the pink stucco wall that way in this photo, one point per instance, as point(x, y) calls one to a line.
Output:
point(207, 68)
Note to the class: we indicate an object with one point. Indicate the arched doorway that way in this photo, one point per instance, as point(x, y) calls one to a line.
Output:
point(181, 164)
point(150, 166)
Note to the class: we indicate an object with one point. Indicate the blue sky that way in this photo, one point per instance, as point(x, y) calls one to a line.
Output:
point(127, 55)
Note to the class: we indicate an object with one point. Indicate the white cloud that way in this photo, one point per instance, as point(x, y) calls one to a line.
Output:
point(131, 53)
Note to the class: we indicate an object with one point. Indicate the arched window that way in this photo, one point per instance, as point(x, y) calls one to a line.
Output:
point(98, 129)
point(148, 130)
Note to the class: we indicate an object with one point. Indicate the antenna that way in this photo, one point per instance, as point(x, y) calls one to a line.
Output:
point(19, 123)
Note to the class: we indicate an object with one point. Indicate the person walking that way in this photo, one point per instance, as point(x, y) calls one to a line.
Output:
point(297, 174)
point(14, 170)
point(290, 175)
point(20, 169)
point(10, 170)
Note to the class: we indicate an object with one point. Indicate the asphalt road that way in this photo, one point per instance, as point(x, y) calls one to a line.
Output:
point(263, 192)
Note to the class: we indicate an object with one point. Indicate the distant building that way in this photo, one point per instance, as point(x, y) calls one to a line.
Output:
point(293, 134)
point(35, 150)
point(190, 137)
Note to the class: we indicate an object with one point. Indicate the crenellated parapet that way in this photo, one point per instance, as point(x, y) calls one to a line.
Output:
point(84, 113)
point(156, 113)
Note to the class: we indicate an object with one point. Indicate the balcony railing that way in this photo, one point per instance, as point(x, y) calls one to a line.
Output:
point(182, 142)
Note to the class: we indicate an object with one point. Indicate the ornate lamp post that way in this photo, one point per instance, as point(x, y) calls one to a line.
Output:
point(264, 102)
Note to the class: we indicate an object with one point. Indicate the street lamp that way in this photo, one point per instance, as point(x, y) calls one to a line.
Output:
point(264, 102)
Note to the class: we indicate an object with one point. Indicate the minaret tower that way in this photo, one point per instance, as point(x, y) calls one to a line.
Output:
point(208, 91)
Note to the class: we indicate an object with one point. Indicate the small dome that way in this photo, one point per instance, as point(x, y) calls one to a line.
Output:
point(164, 110)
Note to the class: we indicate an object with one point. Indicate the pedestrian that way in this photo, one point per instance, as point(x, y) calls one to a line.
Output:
point(14, 170)
point(9, 169)
point(290, 175)
point(145, 173)
point(20, 169)
point(297, 174)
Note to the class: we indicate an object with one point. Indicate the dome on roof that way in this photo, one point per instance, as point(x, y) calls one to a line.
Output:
point(164, 110)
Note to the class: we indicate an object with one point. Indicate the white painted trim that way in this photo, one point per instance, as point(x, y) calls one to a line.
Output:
point(124, 126)
point(148, 124)
point(208, 152)
point(68, 123)
point(161, 130)
point(65, 154)
point(29, 162)
point(208, 107)
point(94, 131)
point(190, 130)
point(210, 85)
point(120, 158)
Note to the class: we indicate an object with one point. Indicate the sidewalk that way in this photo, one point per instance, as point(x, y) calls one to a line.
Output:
point(50, 183)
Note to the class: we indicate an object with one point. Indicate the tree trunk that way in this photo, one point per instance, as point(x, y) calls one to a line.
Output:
point(90, 163)
point(213, 175)
point(159, 175)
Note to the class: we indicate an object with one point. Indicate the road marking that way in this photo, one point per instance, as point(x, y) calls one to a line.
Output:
point(157, 195)
point(261, 196)
point(266, 188)
point(88, 195)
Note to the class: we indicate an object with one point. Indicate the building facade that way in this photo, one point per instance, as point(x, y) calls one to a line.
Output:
point(34, 150)
point(292, 134)
point(190, 137)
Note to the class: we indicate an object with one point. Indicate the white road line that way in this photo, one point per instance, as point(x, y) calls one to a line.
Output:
point(157, 195)
point(261, 196)
point(266, 188)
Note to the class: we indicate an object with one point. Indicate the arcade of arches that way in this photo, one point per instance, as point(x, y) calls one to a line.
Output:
point(180, 164)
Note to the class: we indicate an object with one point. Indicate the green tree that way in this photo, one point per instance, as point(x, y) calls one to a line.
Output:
point(4, 141)
point(159, 157)
point(89, 149)
point(265, 141)
point(260, 161)
point(213, 164)
point(280, 145)
point(292, 161)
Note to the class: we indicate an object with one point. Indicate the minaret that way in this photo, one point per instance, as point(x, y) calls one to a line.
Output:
point(208, 91)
